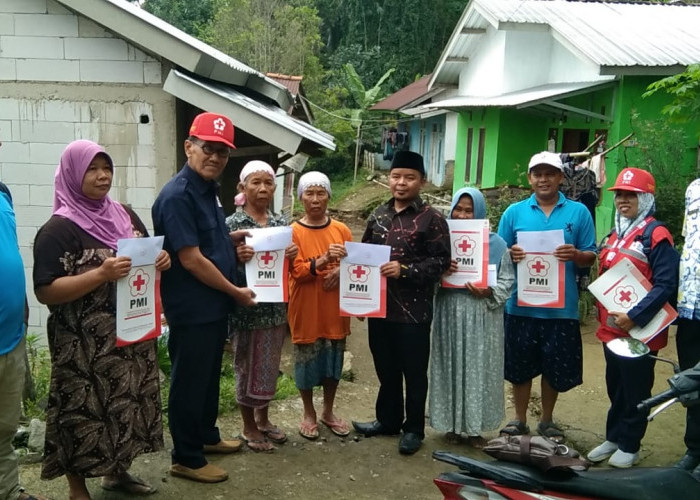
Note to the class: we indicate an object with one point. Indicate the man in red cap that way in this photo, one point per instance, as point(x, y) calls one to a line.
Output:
point(198, 293)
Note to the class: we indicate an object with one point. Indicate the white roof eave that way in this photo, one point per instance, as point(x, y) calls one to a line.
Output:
point(522, 98)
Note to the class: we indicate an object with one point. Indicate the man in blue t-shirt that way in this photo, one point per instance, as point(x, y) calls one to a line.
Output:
point(543, 340)
point(198, 293)
point(13, 322)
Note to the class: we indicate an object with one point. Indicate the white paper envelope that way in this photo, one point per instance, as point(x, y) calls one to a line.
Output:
point(269, 238)
point(493, 275)
point(143, 251)
point(540, 241)
point(367, 253)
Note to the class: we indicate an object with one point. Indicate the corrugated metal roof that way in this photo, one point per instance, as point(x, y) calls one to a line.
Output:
point(403, 96)
point(259, 119)
point(292, 82)
point(609, 34)
point(612, 34)
point(168, 42)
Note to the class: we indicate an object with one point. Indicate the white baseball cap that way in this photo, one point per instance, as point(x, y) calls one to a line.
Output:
point(545, 158)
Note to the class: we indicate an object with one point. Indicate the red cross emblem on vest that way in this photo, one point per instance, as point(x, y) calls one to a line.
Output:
point(138, 282)
point(538, 266)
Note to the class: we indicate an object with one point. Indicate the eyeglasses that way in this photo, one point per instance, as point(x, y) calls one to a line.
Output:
point(209, 149)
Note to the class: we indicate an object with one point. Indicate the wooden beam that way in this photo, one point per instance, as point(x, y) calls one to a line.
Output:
point(473, 31)
point(579, 111)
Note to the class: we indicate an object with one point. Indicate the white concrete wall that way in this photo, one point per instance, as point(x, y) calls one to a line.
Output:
point(483, 74)
point(526, 60)
point(566, 66)
point(62, 77)
point(42, 41)
point(450, 135)
point(507, 61)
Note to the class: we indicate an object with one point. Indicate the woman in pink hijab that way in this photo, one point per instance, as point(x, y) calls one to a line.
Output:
point(104, 401)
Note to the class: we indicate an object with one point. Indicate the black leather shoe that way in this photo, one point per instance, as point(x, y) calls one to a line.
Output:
point(688, 462)
point(369, 429)
point(409, 443)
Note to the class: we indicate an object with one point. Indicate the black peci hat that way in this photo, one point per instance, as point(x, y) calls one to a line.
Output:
point(408, 159)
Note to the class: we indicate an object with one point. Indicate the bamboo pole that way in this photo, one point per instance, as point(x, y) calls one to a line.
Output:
point(617, 144)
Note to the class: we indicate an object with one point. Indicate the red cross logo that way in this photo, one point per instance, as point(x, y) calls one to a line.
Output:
point(465, 246)
point(538, 267)
point(138, 281)
point(625, 296)
point(266, 260)
point(359, 273)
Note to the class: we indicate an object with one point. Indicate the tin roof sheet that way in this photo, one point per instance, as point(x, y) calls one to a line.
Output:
point(613, 35)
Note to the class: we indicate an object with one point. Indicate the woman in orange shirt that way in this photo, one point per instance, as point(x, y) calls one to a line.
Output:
point(318, 330)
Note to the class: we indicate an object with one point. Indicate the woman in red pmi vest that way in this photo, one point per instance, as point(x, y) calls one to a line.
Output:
point(647, 243)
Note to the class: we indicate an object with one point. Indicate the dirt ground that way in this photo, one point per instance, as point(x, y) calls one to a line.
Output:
point(360, 468)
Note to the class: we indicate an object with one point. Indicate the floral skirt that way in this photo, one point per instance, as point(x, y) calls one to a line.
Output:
point(318, 361)
point(257, 364)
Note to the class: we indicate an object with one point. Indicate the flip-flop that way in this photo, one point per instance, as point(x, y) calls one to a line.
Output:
point(515, 428)
point(308, 431)
point(275, 435)
point(477, 442)
point(338, 427)
point(23, 495)
point(257, 445)
point(128, 484)
point(552, 431)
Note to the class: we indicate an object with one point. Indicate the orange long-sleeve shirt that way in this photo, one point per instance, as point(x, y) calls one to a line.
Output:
point(313, 312)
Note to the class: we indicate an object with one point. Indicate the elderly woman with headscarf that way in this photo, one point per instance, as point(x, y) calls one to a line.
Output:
point(104, 404)
point(646, 243)
point(257, 333)
point(318, 330)
point(466, 362)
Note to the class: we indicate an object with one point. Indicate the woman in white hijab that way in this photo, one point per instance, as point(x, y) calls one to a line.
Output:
point(257, 333)
point(318, 330)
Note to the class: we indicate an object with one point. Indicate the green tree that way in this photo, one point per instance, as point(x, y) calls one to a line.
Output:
point(269, 35)
point(375, 35)
point(661, 145)
point(684, 89)
point(363, 99)
point(190, 16)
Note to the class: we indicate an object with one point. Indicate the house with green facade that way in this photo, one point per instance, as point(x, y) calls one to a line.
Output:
point(522, 76)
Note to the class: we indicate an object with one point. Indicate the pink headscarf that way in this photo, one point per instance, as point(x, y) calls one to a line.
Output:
point(105, 219)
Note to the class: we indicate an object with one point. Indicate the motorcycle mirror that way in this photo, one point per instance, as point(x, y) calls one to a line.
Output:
point(627, 347)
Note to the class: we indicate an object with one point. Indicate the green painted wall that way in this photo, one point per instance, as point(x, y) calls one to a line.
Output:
point(522, 135)
point(629, 101)
point(513, 135)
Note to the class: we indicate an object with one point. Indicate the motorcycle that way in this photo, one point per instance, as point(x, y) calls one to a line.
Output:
point(499, 480)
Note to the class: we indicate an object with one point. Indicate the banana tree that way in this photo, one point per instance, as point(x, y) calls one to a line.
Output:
point(364, 99)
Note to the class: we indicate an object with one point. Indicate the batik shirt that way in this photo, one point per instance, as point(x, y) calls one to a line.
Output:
point(689, 270)
point(263, 315)
point(420, 241)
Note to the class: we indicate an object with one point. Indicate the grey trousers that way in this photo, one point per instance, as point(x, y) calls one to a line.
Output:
point(11, 383)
